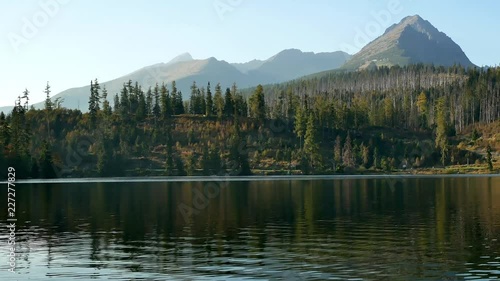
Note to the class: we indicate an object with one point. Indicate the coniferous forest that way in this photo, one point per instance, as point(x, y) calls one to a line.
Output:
point(416, 118)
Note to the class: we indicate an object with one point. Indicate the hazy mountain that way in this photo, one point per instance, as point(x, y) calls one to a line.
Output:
point(286, 65)
point(293, 63)
point(413, 40)
point(248, 66)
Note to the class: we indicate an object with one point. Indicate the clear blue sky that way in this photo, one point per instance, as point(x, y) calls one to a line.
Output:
point(81, 40)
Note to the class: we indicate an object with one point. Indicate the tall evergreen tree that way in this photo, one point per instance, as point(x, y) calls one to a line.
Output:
point(337, 151)
point(94, 101)
point(257, 104)
point(489, 158)
point(311, 145)
point(159, 111)
point(218, 101)
point(441, 128)
point(300, 123)
point(209, 110)
point(48, 102)
point(228, 103)
point(348, 156)
point(116, 105)
point(149, 103)
point(46, 162)
point(106, 107)
point(124, 103)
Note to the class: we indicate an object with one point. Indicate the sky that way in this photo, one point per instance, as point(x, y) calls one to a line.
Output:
point(70, 42)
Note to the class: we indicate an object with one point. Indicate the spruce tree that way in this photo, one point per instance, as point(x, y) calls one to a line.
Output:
point(209, 110)
point(489, 158)
point(218, 101)
point(257, 104)
point(228, 103)
point(48, 102)
point(311, 140)
point(348, 155)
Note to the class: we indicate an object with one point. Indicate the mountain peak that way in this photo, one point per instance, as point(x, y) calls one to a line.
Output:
point(411, 19)
point(181, 58)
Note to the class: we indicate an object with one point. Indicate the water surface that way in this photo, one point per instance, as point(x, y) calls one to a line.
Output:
point(321, 229)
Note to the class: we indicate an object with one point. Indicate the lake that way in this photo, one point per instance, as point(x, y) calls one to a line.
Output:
point(318, 228)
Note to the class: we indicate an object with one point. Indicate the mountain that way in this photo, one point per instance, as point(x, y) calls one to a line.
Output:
point(284, 66)
point(248, 66)
point(293, 63)
point(413, 40)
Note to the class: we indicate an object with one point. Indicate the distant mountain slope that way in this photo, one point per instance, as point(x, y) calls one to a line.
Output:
point(413, 40)
point(248, 66)
point(293, 63)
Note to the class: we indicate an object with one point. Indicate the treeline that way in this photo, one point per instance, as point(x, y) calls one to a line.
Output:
point(388, 119)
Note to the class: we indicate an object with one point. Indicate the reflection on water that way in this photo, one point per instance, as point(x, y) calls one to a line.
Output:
point(359, 229)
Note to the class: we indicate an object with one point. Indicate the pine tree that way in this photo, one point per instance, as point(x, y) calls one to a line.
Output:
point(365, 155)
point(311, 146)
point(178, 105)
point(94, 102)
point(106, 108)
point(376, 158)
point(238, 152)
point(169, 163)
point(441, 128)
point(215, 160)
point(140, 114)
point(422, 109)
point(206, 160)
point(203, 102)
point(300, 123)
point(257, 104)
point(218, 101)
point(159, 111)
point(124, 103)
point(46, 162)
point(388, 112)
point(228, 103)
point(149, 103)
point(489, 158)
point(48, 102)
point(348, 155)
point(194, 99)
point(337, 151)
point(116, 106)
point(209, 110)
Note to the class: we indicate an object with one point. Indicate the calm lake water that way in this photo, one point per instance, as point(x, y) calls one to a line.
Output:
point(336, 229)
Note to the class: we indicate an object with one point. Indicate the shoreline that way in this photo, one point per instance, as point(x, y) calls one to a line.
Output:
point(157, 179)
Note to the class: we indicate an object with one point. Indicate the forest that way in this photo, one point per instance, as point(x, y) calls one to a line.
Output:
point(387, 120)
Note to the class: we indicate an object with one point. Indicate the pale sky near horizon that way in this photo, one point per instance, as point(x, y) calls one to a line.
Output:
point(75, 41)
